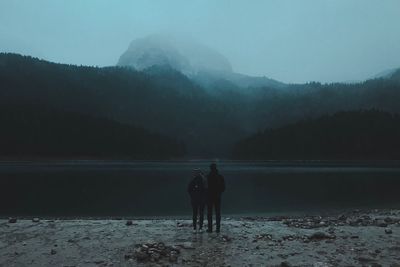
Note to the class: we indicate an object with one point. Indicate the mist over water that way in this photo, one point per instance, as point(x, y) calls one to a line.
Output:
point(90, 188)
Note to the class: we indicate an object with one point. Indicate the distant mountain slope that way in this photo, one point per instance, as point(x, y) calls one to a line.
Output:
point(236, 81)
point(182, 54)
point(160, 100)
point(33, 131)
point(163, 100)
point(395, 75)
point(200, 63)
point(387, 74)
point(344, 135)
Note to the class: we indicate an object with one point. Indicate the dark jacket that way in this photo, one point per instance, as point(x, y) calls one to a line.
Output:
point(197, 189)
point(216, 184)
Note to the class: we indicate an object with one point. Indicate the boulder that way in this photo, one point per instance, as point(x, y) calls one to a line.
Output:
point(381, 223)
point(320, 236)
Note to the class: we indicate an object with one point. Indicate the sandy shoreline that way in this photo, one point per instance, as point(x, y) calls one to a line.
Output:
point(356, 238)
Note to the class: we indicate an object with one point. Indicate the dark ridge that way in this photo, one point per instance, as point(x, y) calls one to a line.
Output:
point(32, 131)
point(351, 135)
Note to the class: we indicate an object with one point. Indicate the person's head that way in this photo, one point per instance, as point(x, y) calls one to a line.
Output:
point(213, 167)
point(196, 172)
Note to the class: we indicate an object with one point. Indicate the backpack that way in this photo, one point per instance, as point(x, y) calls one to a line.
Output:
point(197, 184)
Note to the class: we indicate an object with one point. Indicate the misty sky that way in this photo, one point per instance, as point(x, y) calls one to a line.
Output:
point(288, 40)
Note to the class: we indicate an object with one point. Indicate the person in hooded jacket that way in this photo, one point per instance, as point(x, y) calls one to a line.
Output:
point(197, 190)
point(216, 186)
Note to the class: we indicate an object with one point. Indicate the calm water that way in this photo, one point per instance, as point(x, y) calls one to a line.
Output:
point(121, 188)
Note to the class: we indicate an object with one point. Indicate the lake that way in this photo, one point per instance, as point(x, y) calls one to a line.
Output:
point(154, 188)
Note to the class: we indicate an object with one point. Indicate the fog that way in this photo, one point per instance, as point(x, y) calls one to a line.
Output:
point(291, 41)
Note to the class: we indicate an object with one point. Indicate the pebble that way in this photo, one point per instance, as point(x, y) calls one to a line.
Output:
point(187, 245)
point(155, 256)
point(388, 231)
point(141, 256)
point(364, 259)
point(173, 257)
point(381, 223)
point(179, 224)
point(226, 238)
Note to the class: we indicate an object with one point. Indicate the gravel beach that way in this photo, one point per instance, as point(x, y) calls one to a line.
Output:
point(352, 238)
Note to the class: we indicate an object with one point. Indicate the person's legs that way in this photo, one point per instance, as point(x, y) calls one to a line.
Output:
point(201, 211)
point(195, 208)
point(209, 215)
point(218, 213)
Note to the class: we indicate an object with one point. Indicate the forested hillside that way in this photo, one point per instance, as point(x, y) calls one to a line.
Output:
point(160, 100)
point(344, 135)
point(33, 131)
point(209, 121)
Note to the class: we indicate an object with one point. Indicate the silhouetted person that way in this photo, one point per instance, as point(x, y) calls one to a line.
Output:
point(197, 191)
point(216, 185)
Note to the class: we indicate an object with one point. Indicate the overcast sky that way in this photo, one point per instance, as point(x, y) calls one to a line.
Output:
point(288, 40)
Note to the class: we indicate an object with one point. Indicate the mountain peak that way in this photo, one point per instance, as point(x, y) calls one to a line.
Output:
point(181, 53)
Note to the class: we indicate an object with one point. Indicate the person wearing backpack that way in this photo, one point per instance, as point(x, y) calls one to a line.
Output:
point(197, 191)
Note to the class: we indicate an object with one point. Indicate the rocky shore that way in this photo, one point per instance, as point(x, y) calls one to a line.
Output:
point(353, 238)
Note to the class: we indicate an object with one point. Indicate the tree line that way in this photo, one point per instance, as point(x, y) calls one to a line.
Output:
point(350, 135)
point(209, 121)
point(33, 131)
